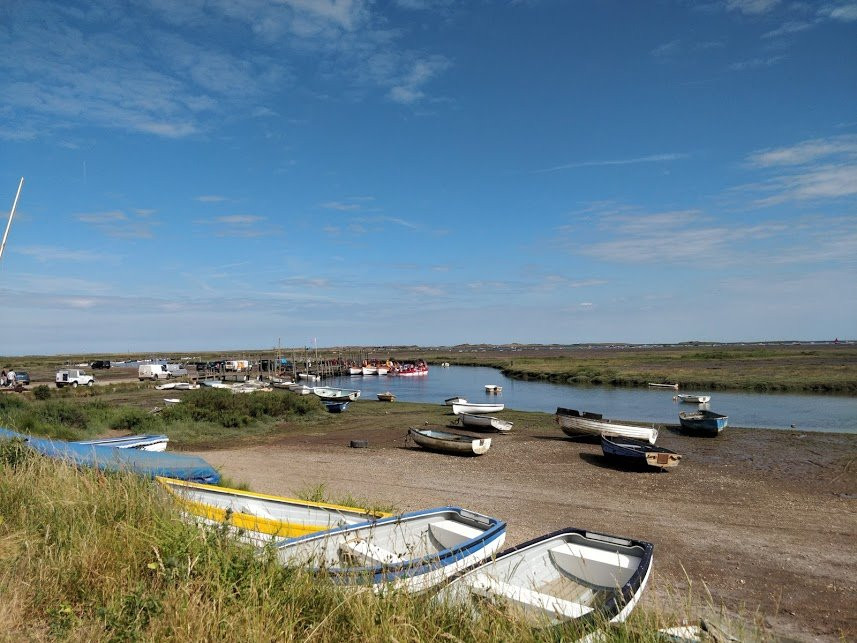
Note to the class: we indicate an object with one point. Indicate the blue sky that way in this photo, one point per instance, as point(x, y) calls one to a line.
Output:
point(227, 174)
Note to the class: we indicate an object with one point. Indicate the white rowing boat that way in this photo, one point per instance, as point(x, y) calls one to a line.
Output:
point(575, 423)
point(693, 399)
point(445, 442)
point(143, 442)
point(566, 575)
point(411, 552)
point(469, 407)
point(484, 422)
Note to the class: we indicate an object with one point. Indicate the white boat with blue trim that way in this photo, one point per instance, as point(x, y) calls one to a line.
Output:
point(143, 442)
point(567, 575)
point(412, 552)
point(576, 423)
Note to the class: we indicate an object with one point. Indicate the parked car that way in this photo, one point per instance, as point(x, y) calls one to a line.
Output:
point(101, 363)
point(73, 377)
point(176, 370)
point(22, 377)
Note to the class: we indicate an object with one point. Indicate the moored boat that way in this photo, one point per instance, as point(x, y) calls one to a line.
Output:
point(370, 370)
point(575, 423)
point(355, 370)
point(412, 552)
point(703, 422)
point(638, 452)
point(300, 389)
point(468, 407)
point(456, 399)
point(693, 399)
point(259, 518)
point(484, 422)
point(663, 385)
point(565, 575)
point(445, 442)
point(386, 397)
point(493, 388)
point(309, 377)
point(156, 443)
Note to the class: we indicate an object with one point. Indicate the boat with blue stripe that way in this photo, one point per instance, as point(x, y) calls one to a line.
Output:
point(412, 552)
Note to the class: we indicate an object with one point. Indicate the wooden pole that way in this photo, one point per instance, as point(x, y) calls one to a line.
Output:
point(11, 214)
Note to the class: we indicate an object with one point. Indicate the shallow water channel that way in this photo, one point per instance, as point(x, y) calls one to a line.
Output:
point(766, 410)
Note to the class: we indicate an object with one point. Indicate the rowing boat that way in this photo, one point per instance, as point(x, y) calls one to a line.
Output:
point(143, 442)
point(703, 421)
point(575, 423)
point(571, 574)
point(445, 442)
point(259, 518)
point(638, 452)
point(411, 552)
point(468, 407)
point(484, 422)
point(693, 399)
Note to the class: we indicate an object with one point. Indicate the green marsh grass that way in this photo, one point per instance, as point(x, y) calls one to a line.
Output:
point(92, 556)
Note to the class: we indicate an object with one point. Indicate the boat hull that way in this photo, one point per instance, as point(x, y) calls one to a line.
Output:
point(452, 443)
point(575, 424)
point(638, 452)
point(694, 399)
point(412, 552)
point(259, 518)
point(484, 423)
point(157, 443)
point(702, 422)
point(458, 409)
point(571, 574)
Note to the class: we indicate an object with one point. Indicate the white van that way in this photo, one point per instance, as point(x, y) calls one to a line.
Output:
point(153, 372)
point(176, 370)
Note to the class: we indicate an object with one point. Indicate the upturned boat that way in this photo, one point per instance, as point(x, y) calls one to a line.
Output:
point(386, 397)
point(703, 422)
point(575, 423)
point(259, 518)
point(469, 407)
point(571, 574)
point(412, 552)
point(446, 442)
point(484, 422)
point(335, 407)
point(638, 452)
point(143, 442)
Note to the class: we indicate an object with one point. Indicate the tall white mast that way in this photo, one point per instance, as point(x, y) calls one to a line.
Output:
point(11, 214)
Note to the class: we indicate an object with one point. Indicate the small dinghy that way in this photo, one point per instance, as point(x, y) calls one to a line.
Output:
point(566, 575)
point(467, 407)
point(702, 422)
point(334, 407)
point(576, 423)
point(638, 452)
point(445, 442)
point(143, 442)
point(493, 388)
point(412, 552)
point(693, 399)
point(300, 389)
point(386, 397)
point(336, 394)
point(454, 400)
point(484, 423)
point(260, 518)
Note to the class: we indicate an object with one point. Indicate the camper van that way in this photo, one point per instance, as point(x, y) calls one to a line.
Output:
point(153, 372)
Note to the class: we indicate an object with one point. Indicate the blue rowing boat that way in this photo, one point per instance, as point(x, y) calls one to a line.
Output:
point(335, 407)
point(703, 422)
point(108, 458)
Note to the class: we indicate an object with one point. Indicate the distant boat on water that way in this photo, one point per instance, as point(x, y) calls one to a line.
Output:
point(659, 385)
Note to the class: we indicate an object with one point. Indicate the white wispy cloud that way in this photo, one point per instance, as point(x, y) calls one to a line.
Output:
point(652, 158)
point(788, 29)
point(239, 219)
point(810, 170)
point(842, 11)
point(210, 198)
point(52, 253)
point(341, 206)
point(666, 49)
point(119, 225)
point(756, 63)
point(752, 7)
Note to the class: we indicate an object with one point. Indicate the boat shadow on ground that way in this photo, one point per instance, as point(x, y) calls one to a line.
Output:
point(614, 464)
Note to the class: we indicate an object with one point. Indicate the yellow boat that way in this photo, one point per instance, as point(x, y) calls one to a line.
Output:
point(260, 517)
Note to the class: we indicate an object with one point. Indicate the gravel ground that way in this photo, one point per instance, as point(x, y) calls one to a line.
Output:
point(760, 522)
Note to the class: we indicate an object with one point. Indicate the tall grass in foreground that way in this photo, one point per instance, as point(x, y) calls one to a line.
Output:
point(90, 556)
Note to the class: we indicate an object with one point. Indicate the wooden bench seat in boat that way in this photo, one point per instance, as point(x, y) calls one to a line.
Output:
point(484, 585)
point(362, 552)
point(450, 533)
point(595, 568)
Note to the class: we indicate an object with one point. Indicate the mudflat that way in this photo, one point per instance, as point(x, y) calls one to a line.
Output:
point(761, 523)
